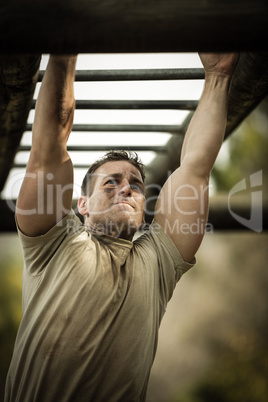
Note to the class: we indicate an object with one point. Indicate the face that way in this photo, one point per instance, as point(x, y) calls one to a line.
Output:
point(116, 205)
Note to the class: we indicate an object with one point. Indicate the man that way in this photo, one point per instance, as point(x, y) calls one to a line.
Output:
point(93, 299)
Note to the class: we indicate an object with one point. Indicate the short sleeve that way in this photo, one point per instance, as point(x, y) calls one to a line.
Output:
point(38, 250)
point(170, 264)
point(161, 237)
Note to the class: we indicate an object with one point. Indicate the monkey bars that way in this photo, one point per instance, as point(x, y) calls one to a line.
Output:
point(108, 26)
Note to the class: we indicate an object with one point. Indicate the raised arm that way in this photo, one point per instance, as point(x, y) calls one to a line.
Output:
point(182, 206)
point(46, 192)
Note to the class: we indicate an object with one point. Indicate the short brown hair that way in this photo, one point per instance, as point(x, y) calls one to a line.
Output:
point(111, 156)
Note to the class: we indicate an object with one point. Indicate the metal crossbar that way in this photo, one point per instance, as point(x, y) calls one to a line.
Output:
point(77, 148)
point(134, 104)
point(161, 128)
point(137, 74)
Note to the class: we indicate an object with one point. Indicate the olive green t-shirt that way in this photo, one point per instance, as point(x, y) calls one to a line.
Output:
point(92, 305)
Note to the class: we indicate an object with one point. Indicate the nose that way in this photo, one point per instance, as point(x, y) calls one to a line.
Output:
point(125, 188)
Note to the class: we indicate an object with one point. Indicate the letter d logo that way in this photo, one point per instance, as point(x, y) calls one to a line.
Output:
point(255, 221)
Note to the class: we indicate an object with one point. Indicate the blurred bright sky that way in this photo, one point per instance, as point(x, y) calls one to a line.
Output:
point(139, 90)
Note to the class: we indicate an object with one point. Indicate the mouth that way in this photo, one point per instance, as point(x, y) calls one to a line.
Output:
point(124, 203)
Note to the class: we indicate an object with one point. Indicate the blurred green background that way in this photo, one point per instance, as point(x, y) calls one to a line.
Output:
point(213, 338)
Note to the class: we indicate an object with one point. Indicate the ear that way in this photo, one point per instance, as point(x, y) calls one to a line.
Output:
point(82, 205)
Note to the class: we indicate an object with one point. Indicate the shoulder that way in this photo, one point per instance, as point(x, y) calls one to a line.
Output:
point(156, 239)
point(70, 224)
point(60, 245)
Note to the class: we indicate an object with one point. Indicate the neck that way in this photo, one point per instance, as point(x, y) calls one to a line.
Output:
point(110, 229)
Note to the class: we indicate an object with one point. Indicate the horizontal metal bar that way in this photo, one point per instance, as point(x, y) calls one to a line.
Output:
point(174, 129)
point(137, 74)
point(92, 148)
point(75, 165)
point(134, 104)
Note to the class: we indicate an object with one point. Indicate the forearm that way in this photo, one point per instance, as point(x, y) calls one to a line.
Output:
point(207, 127)
point(183, 202)
point(55, 105)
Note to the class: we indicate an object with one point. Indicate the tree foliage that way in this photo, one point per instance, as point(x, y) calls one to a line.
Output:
point(247, 150)
point(10, 302)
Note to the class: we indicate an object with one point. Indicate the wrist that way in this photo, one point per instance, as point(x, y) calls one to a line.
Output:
point(63, 60)
point(217, 80)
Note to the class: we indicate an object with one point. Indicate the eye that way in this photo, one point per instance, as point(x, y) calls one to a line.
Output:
point(114, 182)
point(136, 186)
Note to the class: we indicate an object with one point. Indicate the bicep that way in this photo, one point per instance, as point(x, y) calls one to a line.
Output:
point(45, 196)
point(182, 210)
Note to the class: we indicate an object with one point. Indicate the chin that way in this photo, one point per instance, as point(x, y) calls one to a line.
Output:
point(127, 226)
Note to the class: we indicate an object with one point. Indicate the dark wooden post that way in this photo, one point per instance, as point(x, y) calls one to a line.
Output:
point(108, 26)
point(18, 76)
